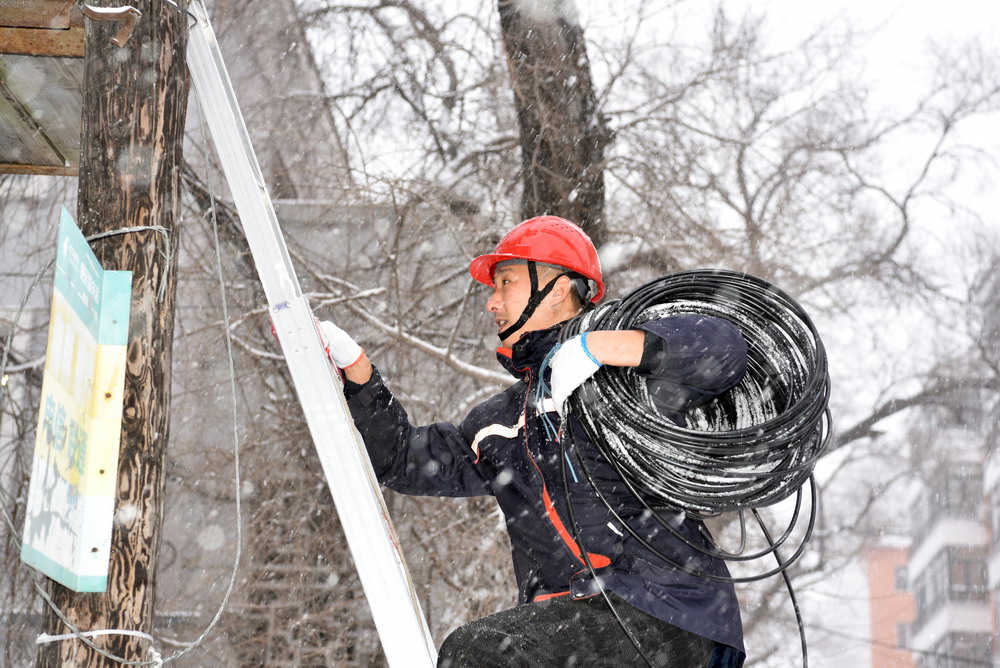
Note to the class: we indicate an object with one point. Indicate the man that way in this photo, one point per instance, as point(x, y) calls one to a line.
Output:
point(643, 608)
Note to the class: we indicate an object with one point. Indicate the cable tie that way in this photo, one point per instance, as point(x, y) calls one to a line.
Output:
point(45, 638)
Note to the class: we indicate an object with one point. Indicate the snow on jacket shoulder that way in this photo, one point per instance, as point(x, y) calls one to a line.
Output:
point(503, 449)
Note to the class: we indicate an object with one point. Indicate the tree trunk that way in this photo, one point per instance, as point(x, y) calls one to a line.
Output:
point(135, 102)
point(563, 136)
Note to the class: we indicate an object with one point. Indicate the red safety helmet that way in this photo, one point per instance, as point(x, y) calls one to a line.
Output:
point(545, 239)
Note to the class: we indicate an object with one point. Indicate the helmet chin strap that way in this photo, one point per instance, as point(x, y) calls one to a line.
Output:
point(533, 301)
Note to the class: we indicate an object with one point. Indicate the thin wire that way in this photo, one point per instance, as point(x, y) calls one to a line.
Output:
point(36, 581)
point(8, 344)
point(236, 437)
point(183, 10)
point(586, 559)
point(236, 450)
point(709, 552)
point(782, 568)
point(167, 254)
point(75, 631)
point(8, 519)
point(565, 465)
point(47, 638)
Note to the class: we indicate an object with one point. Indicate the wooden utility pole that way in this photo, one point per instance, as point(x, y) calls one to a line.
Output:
point(134, 107)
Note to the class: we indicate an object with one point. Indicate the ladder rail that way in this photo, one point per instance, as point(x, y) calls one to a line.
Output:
point(394, 604)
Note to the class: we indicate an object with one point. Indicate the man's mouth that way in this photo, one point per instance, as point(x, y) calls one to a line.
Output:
point(501, 324)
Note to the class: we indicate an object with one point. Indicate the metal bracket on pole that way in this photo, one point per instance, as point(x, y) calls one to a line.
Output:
point(129, 16)
point(395, 607)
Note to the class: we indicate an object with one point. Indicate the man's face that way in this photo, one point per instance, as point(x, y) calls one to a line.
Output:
point(511, 291)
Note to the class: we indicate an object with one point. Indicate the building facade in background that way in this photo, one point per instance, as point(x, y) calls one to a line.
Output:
point(950, 575)
point(892, 606)
point(991, 484)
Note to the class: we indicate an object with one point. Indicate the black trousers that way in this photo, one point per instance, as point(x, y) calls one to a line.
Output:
point(562, 632)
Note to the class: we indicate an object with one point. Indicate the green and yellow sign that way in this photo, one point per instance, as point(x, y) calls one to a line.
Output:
point(67, 533)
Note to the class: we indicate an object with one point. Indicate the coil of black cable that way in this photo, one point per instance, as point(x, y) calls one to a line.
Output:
point(751, 447)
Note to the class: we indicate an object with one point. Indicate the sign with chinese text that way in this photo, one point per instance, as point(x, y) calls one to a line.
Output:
point(67, 532)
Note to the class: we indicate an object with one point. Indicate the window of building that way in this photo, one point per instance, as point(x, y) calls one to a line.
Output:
point(959, 650)
point(994, 512)
point(967, 577)
point(955, 491)
point(902, 579)
point(973, 649)
point(923, 515)
point(954, 574)
point(902, 635)
point(932, 586)
point(963, 491)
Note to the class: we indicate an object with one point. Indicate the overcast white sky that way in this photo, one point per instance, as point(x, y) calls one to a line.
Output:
point(900, 30)
point(895, 38)
point(896, 41)
point(896, 54)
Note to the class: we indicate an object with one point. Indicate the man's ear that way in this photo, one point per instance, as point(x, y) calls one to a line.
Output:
point(561, 290)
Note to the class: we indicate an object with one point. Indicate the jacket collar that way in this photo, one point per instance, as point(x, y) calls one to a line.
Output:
point(529, 351)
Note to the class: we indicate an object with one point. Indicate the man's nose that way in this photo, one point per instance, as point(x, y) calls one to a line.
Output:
point(493, 303)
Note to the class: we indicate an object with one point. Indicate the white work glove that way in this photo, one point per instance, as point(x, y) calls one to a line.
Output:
point(571, 366)
point(341, 348)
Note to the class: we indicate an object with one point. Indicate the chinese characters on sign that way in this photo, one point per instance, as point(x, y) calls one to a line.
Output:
point(67, 532)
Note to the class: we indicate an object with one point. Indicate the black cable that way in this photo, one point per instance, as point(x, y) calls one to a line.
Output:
point(791, 594)
point(707, 551)
point(563, 461)
point(782, 568)
point(754, 446)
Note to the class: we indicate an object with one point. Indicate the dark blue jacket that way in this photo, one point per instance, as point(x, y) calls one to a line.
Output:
point(501, 449)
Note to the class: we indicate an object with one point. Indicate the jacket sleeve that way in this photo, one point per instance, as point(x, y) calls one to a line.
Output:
point(433, 460)
point(695, 359)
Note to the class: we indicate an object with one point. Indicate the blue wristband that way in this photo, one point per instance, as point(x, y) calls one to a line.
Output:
point(583, 342)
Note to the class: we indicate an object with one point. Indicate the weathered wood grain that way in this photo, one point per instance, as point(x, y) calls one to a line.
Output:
point(135, 101)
